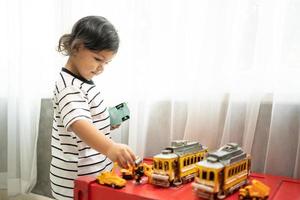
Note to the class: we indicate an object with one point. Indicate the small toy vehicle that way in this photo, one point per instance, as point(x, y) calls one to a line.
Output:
point(111, 179)
point(127, 174)
point(148, 170)
point(257, 190)
point(118, 114)
point(134, 172)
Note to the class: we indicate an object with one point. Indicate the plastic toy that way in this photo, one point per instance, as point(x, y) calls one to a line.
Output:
point(148, 171)
point(137, 171)
point(111, 179)
point(176, 164)
point(222, 172)
point(257, 190)
point(118, 114)
point(133, 172)
point(127, 174)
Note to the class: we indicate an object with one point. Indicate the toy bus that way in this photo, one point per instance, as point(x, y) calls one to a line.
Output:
point(222, 172)
point(176, 164)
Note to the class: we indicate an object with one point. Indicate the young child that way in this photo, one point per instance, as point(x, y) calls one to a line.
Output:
point(81, 143)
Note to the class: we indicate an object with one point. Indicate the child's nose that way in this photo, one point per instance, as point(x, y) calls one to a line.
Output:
point(100, 67)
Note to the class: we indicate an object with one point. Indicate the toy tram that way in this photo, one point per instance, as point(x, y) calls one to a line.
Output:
point(176, 164)
point(222, 172)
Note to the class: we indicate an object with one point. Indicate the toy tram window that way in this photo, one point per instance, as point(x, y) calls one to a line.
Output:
point(230, 173)
point(199, 158)
point(211, 176)
point(184, 162)
point(204, 175)
point(155, 165)
point(166, 165)
point(159, 165)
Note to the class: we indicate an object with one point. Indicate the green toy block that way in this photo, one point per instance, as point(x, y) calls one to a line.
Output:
point(118, 114)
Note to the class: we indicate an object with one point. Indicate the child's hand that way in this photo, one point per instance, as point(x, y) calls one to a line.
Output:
point(112, 127)
point(121, 154)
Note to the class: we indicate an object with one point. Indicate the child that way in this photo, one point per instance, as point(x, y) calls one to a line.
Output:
point(81, 143)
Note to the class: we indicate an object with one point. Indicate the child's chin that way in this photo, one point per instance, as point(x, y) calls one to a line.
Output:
point(90, 77)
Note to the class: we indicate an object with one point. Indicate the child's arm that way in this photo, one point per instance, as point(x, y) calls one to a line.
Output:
point(114, 151)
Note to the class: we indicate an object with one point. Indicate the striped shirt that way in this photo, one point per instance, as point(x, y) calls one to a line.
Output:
point(75, 98)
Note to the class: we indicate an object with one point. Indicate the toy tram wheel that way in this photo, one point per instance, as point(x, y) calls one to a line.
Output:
point(241, 197)
point(113, 185)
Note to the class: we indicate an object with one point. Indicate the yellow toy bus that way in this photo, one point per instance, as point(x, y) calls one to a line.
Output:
point(222, 172)
point(176, 164)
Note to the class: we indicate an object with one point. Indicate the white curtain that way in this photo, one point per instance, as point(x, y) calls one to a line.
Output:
point(218, 72)
point(214, 71)
point(28, 36)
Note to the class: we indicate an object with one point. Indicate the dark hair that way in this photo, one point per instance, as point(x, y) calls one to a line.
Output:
point(96, 33)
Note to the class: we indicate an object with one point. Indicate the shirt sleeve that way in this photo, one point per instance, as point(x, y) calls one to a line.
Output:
point(73, 105)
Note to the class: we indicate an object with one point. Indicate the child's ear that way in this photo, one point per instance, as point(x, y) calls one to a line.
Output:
point(77, 45)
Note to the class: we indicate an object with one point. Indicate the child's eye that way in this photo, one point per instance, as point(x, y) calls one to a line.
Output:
point(97, 59)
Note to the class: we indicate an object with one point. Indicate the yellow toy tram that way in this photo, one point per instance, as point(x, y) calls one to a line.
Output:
point(222, 172)
point(176, 164)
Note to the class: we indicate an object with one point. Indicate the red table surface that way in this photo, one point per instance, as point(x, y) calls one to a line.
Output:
point(87, 188)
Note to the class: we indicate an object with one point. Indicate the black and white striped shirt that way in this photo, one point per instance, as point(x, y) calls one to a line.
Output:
point(75, 98)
